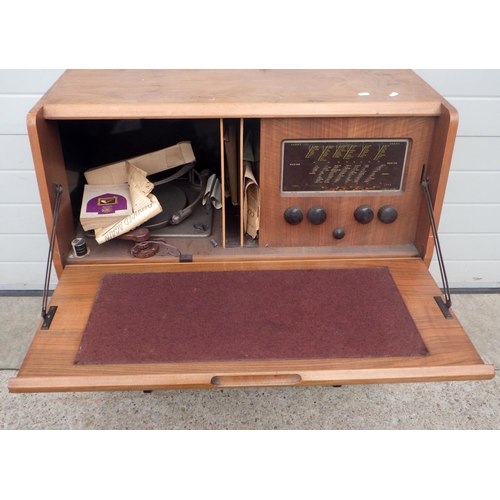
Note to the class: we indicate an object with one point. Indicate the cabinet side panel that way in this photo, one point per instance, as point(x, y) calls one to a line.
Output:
point(49, 167)
point(437, 169)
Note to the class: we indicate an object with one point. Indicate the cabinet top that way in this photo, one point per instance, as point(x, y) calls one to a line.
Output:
point(102, 94)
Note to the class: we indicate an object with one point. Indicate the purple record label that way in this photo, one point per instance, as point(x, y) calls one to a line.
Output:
point(107, 203)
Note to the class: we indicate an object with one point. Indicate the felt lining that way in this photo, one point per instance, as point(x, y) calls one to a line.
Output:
point(248, 315)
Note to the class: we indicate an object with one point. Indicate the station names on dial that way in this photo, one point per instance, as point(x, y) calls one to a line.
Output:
point(343, 165)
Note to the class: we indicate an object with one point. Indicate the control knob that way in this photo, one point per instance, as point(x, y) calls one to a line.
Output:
point(364, 214)
point(338, 233)
point(294, 215)
point(387, 214)
point(316, 215)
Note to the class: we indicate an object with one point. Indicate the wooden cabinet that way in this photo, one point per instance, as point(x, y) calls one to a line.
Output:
point(321, 150)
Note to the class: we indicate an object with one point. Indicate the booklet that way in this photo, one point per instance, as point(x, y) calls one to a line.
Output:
point(105, 204)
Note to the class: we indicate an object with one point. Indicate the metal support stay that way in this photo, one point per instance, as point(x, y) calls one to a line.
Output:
point(48, 316)
point(444, 305)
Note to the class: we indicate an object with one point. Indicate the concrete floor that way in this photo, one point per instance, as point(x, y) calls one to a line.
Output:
point(446, 405)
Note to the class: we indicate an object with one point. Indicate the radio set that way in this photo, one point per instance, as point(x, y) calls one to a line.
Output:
point(359, 187)
point(282, 226)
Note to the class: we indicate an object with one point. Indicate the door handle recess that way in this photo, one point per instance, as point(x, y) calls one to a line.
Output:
point(255, 380)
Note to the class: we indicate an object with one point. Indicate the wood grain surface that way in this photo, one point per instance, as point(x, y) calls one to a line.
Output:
point(105, 94)
point(49, 364)
point(340, 208)
point(332, 103)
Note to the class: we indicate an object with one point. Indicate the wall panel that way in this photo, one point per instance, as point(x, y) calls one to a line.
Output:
point(23, 237)
point(470, 224)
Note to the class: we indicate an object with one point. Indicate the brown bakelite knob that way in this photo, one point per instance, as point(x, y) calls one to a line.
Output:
point(364, 214)
point(387, 214)
point(338, 233)
point(316, 215)
point(294, 215)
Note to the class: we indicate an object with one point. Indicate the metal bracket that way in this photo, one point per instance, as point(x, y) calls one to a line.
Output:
point(48, 317)
point(444, 308)
point(443, 305)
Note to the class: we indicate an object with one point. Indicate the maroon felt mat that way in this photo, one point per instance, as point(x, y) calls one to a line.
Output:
point(248, 315)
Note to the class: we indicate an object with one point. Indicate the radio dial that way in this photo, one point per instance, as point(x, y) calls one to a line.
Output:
point(316, 215)
point(387, 214)
point(294, 215)
point(364, 214)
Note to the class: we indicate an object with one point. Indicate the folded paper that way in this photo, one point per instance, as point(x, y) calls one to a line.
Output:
point(151, 163)
point(213, 192)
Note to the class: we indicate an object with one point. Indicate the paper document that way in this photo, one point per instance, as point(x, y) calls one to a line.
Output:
point(139, 187)
point(151, 163)
point(213, 192)
point(251, 202)
point(129, 223)
point(251, 191)
point(144, 205)
point(104, 204)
